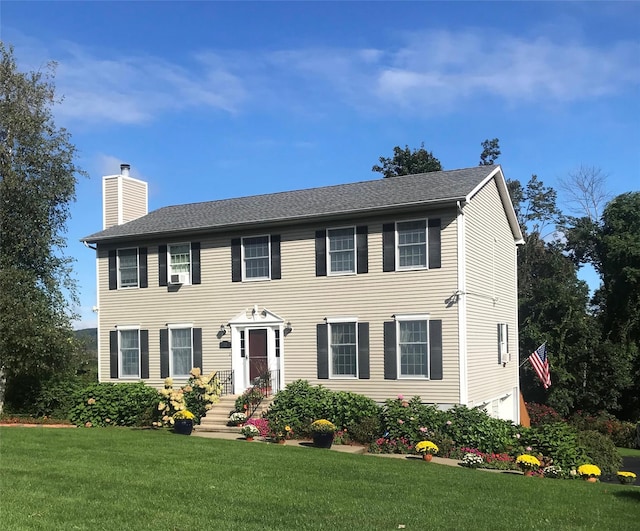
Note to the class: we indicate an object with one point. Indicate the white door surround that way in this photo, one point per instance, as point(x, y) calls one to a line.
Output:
point(241, 325)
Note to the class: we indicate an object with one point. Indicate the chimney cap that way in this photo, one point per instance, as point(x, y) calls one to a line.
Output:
point(124, 169)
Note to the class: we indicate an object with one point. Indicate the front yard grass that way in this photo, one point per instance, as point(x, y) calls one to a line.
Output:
point(111, 478)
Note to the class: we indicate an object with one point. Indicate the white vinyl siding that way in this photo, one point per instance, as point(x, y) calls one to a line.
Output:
point(342, 251)
point(127, 268)
point(256, 258)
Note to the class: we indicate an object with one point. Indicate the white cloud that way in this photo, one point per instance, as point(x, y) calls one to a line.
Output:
point(428, 71)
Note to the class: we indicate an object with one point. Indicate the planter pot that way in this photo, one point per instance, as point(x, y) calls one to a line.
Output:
point(591, 480)
point(183, 426)
point(528, 473)
point(249, 439)
point(322, 440)
point(281, 441)
point(427, 457)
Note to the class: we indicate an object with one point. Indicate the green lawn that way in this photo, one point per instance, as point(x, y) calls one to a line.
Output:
point(141, 479)
point(629, 452)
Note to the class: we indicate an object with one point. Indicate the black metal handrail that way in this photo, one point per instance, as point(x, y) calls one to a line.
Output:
point(263, 387)
point(225, 380)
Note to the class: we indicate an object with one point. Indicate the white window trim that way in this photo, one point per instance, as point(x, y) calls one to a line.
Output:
point(411, 317)
point(128, 328)
point(244, 269)
point(178, 326)
point(341, 320)
point(426, 245)
point(503, 343)
point(169, 269)
point(355, 253)
point(120, 286)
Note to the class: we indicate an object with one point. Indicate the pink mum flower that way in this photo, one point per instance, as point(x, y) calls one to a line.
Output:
point(400, 397)
point(423, 429)
point(400, 421)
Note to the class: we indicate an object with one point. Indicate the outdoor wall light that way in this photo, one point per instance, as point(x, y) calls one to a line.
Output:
point(222, 331)
point(287, 329)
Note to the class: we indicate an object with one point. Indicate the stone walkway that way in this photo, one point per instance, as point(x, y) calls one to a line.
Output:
point(345, 448)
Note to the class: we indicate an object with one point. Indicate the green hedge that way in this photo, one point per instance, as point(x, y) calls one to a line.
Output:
point(108, 404)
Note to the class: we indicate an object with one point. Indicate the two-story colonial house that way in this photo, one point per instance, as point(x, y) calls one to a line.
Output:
point(404, 285)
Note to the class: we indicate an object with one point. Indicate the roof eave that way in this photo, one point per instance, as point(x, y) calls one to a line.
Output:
point(405, 207)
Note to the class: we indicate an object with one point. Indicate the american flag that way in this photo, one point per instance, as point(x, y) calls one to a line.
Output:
point(540, 364)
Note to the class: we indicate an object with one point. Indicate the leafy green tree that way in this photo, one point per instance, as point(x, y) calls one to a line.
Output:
point(408, 162)
point(490, 152)
point(37, 183)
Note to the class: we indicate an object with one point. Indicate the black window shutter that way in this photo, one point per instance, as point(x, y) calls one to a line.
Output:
point(362, 246)
point(236, 260)
point(275, 257)
point(363, 351)
point(113, 270)
point(434, 244)
point(142, 259)
point(144, 354)
point(162, 265)
point(197, 348)
point(164, 353)
point(195, 262)
point(321, 253)
point(322, 341)
point(390, 358)
point(435, 350)
point(113, 353)
point(389, 247)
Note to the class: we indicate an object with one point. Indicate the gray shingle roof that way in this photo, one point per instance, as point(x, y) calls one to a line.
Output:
point(324, 202)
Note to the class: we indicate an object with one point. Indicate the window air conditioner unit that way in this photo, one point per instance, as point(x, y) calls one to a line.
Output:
point(180, 278)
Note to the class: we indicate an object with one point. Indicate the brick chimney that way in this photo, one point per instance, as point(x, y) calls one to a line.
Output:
point(123, 198)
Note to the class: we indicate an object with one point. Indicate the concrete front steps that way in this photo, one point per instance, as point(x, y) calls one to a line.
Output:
point(217, 417)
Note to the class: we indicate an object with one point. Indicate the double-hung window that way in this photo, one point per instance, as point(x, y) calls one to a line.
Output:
point(503, 342)
point(181, 351)
point(128, 268)
point(413, 347)
point(343, 346)
point(256, 258)
point(412, 244)
point(180, 263)
point(129, 352)
point(342, 251)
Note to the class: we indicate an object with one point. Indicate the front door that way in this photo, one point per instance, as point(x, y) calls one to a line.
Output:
point(258, 364)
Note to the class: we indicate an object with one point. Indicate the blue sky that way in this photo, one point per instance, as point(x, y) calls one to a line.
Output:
point(210, 100)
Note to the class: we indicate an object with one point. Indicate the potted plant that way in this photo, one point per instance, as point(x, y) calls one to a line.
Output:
point(427, 449)
point(250, 431)
point(238, 418)
point(472, 460)
point(322, 432)
point(552, 471)
point(527, 463)
point(183, 422)
point(279, 431)
point(626, 478)
point(589, 472)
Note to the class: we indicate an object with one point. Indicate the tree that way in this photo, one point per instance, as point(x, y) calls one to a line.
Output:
point(490, 152)
point(37, 183)
point(408, 162)
point(586, 192)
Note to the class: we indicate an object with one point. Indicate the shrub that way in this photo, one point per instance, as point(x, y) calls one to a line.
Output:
point(558, 442)
point(108, 404)
point(298, 405)
point(411, 420)
point(348, 409)
point(251, 396)
point(621, 433)
point(198, 396)
point(475, 429)
point(366, 430)
point(541, 414)
point(600, 450)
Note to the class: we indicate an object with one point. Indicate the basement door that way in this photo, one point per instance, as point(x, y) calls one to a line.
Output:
point(258, 364)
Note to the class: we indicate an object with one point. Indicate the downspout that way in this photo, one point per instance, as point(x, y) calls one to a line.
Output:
point(462, 306)
point(97, 306)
